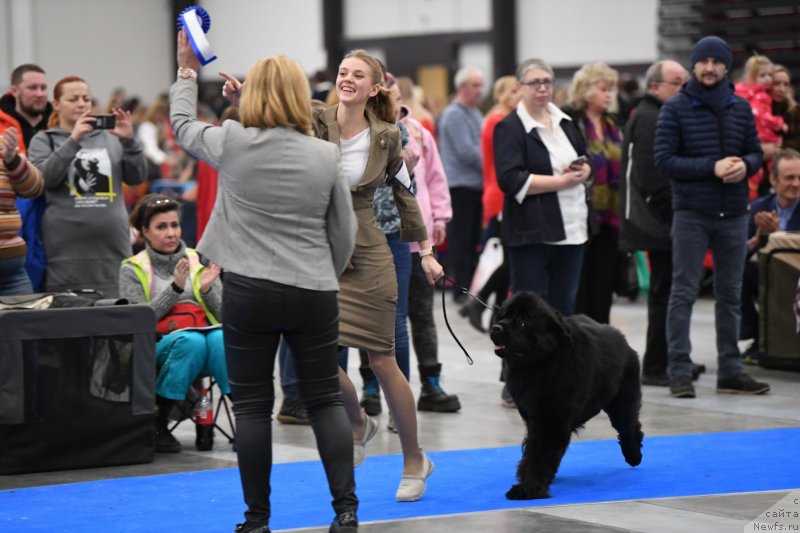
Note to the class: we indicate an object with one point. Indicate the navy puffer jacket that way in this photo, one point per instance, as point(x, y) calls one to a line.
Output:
point(691, 138)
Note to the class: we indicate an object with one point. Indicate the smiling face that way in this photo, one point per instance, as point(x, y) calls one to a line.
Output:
point(164, 232)
point(787, 182)
point(356, 82)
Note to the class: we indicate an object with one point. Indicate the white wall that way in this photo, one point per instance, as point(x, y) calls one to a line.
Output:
point(243, 31)
point(109, 43)
point(5, 48)
point(573, 32)
point(380, 18)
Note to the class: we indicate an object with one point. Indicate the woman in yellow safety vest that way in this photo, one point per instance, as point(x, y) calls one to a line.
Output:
point(185, 296)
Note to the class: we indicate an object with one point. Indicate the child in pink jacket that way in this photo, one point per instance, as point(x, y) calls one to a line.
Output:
point(754, 88)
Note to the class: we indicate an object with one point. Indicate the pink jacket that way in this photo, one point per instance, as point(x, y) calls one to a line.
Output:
point(768, 125)
point(433, 194)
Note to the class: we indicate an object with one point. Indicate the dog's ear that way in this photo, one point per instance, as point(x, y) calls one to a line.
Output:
point(563, 330)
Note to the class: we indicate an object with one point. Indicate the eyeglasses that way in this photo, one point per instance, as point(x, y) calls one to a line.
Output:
point(673, 83)
point(547, 83)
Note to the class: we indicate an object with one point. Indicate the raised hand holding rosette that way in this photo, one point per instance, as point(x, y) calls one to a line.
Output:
point(195, 22)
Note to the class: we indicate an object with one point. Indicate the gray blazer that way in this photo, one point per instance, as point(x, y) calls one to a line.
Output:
point(283, 210)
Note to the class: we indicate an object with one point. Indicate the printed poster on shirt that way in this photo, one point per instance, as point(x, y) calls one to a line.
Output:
point(89, 179)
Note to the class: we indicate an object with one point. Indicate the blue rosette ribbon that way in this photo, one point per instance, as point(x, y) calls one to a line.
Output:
point(197, 22)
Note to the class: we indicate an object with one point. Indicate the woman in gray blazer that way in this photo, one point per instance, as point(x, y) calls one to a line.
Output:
point(283, 230)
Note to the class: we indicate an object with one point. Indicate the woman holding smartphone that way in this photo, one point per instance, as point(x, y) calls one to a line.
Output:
point(539, 158)
point(85, 224)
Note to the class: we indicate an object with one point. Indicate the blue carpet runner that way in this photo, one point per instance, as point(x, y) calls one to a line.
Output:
point(464, 481)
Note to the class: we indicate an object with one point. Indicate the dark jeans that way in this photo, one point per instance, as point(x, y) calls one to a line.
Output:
point(598, 276)
point(550, 270)
point(464, 233)
point(692, 234)
point(290, 385)
point(13, 277)
point(257, 313)
point(420, 314)
point(654, 361)
point(401, 253)
point(749, 329)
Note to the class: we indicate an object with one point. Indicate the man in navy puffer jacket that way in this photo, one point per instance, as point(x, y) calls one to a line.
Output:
point(706, 143)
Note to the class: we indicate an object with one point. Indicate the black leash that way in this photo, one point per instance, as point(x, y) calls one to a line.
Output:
point(445, 280)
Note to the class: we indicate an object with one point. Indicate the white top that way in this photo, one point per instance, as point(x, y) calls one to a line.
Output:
point(571, 201)
point(355, 153)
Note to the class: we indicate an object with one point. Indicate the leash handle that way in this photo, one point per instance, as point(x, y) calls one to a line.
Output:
point(444, 280)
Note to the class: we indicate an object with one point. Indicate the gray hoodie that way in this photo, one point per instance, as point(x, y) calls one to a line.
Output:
point(85, 225)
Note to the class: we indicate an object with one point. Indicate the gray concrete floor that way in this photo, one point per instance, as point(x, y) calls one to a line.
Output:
point(483, 422)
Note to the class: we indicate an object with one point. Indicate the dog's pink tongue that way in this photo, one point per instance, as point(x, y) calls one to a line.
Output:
point(499, 346)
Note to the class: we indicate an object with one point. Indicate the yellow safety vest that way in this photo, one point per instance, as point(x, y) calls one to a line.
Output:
point(144, 272)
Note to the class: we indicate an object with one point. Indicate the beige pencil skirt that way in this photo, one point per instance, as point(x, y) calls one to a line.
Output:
point(368, 300)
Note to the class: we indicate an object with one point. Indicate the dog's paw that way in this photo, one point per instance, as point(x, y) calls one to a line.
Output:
point(524, 492)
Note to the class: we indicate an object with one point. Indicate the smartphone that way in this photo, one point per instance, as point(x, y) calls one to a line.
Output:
point(578, 162)
point(104, 122)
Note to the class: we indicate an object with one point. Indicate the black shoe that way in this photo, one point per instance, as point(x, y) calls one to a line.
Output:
point(434, 398)
point(371, 397)
point(165, 441)
point(741, 384)
point(250, 527)
point(681, 387)
point(473, 310)
point(505, 398)
point(459, 297)
point(344, 523)
point(293, 412)
point(658, 380)
point(698, 368)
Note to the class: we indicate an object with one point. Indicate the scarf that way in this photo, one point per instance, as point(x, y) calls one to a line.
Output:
point(715, 98)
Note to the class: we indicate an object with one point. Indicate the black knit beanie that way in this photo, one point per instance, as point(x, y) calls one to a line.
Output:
point(712, 46)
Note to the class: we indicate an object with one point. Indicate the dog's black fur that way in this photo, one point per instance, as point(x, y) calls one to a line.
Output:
point(561, 371)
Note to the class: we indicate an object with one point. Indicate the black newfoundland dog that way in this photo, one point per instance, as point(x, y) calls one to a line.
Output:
point(561, 371)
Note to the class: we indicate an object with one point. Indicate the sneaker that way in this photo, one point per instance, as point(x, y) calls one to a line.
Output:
point(697, 370)
point(741, 384)
point(344, 523)
point(681, 387)
point(659, 380)
point(390, 425)
point(751, 355)
point(293, 412)
point(250, 527)
point(505, 398)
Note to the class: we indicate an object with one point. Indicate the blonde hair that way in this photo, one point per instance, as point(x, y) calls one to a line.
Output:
point(502, 86)
point(584, 80)
point(753, 64)
point(276, 94)
point(382, 105)
point(790, 92)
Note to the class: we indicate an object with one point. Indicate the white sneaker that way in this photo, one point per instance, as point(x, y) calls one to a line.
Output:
point(412, 487)
point(359, 451)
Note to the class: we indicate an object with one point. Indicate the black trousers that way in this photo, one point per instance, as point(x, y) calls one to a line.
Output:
point(464, 233)
point(654, 361)
point(598, 276)
point(420, 315)
point(256, 313)
point(749, 329)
